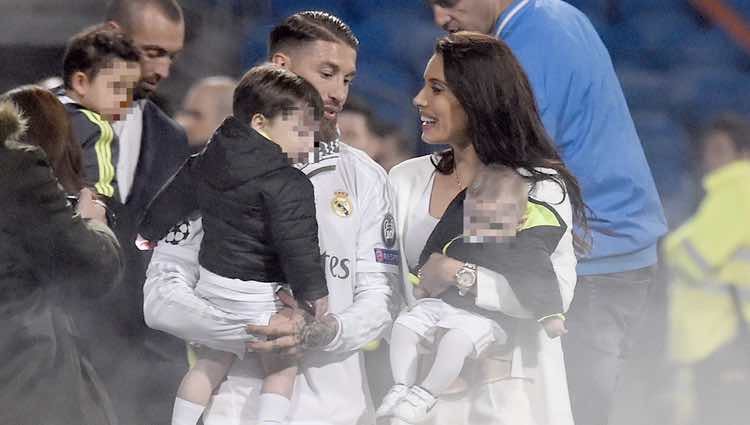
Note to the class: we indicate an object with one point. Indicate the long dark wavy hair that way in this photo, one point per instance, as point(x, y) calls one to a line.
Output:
point(504, 124)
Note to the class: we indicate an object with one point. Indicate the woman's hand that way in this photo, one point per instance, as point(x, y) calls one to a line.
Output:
point(91, 208)
point(438, 275)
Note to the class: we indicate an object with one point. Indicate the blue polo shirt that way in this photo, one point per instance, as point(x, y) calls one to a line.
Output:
point(584, 111)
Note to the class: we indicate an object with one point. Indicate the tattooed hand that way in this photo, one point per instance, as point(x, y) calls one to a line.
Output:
point(320, 333)
point(292, 330)
point(283, 332)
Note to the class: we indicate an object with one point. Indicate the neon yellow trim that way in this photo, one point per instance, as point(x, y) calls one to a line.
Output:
point(263, 133)
point(445, 248)
point(552, 316)
point(372, 345)
point(413, 279)
point(192, 357)
point(539, 215)
point(103, 148)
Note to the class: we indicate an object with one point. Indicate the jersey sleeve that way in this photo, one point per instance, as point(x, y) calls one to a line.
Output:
point(377, 272)
point(99, 144)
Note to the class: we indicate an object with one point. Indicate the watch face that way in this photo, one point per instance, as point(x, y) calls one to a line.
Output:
point(465, 278)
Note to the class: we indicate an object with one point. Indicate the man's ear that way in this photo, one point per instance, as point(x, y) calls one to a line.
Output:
point(80, 83)
point(281, 59)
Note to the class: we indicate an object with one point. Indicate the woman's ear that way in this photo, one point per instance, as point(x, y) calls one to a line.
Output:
point(258, 122)
point(80, 83)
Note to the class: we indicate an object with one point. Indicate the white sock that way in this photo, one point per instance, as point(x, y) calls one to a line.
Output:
point(186, 412)
point(454, 347)
point(404, 355)
point(273, 409)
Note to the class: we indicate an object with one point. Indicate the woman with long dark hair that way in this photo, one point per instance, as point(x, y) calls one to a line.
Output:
point(489, 119)
point(51, 255)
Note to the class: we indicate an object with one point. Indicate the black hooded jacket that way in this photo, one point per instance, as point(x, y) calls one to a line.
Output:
point(258, 211)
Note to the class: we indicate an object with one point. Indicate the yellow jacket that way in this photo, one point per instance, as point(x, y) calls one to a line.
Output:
point(705, 255)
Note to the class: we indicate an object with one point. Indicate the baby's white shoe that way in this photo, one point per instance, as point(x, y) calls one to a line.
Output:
point(394, 395)
point(415, 406)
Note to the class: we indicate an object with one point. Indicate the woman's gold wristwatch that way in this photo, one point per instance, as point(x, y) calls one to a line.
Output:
point(466, 278)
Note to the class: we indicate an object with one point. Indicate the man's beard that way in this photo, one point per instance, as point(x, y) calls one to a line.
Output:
point(328, 130)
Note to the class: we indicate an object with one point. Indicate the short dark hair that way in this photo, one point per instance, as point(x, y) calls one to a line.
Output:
point(305, 27)
point(123, 11)
point(734, 126)
point(269, 90)
point(95, 48)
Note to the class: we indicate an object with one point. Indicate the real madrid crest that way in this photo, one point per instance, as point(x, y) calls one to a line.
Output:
point(341, 204)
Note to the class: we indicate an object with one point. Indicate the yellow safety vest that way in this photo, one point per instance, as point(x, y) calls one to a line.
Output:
point(706, 255)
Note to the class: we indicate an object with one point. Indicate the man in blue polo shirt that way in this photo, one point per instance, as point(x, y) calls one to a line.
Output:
point(584, 111)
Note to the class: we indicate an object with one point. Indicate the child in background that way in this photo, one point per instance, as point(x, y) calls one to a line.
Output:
point(100, 72)
point(487, 225)
point(258, 212)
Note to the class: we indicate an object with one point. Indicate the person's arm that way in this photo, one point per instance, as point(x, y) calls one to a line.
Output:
point(170, 303)
point(289, 201)
point(65, 244)
point(173, 203)
point(98, 142)
point(525, 264)
point(378, 273)
point(712, 246)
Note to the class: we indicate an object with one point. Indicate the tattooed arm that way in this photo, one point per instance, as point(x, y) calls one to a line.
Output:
point(293, 329)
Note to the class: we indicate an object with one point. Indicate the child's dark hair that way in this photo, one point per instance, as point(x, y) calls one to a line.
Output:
point(94, 48)
point(270, 90)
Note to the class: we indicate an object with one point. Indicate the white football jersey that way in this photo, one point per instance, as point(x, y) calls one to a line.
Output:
point(357, 235)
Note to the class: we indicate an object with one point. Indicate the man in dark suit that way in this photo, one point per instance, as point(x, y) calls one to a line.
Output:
point(141, 368)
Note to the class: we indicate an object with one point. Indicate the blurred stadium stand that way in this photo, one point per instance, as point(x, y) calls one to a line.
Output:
point(677, 68)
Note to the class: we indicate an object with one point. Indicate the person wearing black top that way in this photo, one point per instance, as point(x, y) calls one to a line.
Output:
point(258, 212)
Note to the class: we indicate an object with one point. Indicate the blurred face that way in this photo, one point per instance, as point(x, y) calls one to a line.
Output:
point(110, 92)
point(443, 119)
point(492, 220)
point(159, 40)
point(495, 206)
point(199, 115)
point(718, 150)
point(293, 130)
point(330, 67)
point(355, 132)
point(467, 15)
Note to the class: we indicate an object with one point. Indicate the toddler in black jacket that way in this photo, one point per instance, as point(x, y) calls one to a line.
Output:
point(258, 214)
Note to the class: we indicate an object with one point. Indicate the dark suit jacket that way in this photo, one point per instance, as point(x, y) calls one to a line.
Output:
point(164, 148)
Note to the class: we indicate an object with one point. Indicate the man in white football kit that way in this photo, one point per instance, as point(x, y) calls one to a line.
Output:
point(354, 210)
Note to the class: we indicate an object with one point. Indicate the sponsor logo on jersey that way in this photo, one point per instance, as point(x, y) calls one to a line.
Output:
point(337, 267)
point(341, 204)
point(388, 231)
point(387, 256)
